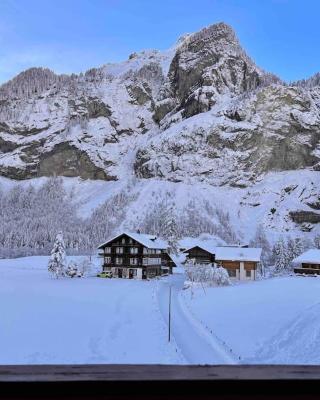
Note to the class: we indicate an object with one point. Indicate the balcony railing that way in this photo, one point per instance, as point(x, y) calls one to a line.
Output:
point(307, 271)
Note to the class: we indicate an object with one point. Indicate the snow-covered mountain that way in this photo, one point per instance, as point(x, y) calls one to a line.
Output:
point(199, 119)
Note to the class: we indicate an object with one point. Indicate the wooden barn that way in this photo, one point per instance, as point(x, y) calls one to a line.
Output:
point(309, 262)
point(240, 262)
point(136, 255)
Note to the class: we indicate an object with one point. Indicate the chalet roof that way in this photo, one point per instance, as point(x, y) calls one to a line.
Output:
point(149, 241)
point(231, 253)
point(204, 246)
point(190, 242)
point(311, 256)
point(238, 254)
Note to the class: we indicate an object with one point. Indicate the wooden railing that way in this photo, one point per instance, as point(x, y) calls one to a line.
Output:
point(160, 381)
point(308, 271)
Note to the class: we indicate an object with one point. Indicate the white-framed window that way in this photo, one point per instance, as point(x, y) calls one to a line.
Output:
point(155, 261)
point(145, 250)
point(158, 251)
point(134, 250)
point(123, 240)
point(119, 250)
point(107, 260)
point(107, 250)
point(118, 260)
point(133, 261)
point(130, 241)
point(151, 261)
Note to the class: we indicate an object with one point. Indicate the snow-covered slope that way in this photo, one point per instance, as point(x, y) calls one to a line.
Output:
point(200, 121)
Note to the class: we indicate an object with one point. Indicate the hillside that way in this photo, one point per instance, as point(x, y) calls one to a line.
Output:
point(200, 123)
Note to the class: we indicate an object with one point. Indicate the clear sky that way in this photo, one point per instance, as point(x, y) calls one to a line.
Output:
point(282, 36)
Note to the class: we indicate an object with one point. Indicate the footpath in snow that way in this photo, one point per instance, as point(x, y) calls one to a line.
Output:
point(197, 344)
point(273, 321)
point(80, 320)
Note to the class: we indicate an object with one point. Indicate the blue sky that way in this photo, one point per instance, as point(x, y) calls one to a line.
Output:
point(282, 36)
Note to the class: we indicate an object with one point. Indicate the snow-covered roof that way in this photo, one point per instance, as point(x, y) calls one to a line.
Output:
point(232, 253)
point(238, 254)
point(189, 242)
point(149, 241)
point(311, 256)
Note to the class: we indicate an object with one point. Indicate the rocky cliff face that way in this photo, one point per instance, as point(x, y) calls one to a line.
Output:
point(202, 111)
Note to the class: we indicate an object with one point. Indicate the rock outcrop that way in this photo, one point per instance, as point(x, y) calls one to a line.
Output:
point(202, 111)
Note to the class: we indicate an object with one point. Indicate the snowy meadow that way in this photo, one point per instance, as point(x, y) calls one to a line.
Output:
point(92, 320)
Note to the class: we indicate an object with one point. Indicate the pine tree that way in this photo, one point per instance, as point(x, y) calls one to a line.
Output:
point(260, 240)
point(281, 256)
point(295, 248)
point(57, 261)
point(172, 235)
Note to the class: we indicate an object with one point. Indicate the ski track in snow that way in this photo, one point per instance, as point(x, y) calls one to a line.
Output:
point(197, 345)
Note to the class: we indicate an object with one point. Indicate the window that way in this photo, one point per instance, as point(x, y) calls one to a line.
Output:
point(145, 250)
point(119, 250)
point(133, 261)
point(123, 240)
point(248, 273)
point(232, 272)
point(134, 250)
point(107, 250)
point(158, 251)
point(107, 260)
point(151, 261)
point(118, 260)
point(133, 272)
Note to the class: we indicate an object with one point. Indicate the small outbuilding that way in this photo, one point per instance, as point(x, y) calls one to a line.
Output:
point(308, 262)
point(240, 262)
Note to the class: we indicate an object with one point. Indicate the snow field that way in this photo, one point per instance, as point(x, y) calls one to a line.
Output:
point(80, 320)
point(268, 321)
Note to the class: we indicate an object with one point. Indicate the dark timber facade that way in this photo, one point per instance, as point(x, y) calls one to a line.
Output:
point(129, 257)
point(200, 256)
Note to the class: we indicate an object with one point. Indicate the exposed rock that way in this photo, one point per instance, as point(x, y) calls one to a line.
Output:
point(7, 146)
point(206, 65)
point(67, 160)
point(206, 111)
point(305, 216)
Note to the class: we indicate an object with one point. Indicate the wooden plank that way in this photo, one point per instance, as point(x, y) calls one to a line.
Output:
point(117, 373)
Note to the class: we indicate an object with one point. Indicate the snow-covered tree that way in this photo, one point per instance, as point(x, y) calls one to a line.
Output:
point(294, 248)
point(260, 240)
point(170, 230)
point(208, 274)
point(72, 269)
point(85, 266)
point(57, 261)
point(280, 252)
point(220, 276)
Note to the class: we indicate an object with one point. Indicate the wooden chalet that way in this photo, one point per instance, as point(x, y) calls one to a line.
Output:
point(309, 262)
point(200, 255)
point(240, 262)
point(135, 255)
